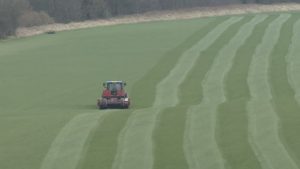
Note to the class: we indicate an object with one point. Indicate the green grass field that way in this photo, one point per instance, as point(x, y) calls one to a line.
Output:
point(209, 93)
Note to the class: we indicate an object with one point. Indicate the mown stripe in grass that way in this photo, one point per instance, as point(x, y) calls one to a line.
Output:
point(283, 95)
point(67, 148)
point(293, 61)
point(163, 67)
point(169, 133)
point(263, 120)
point(232, 129)
point(135, 141)
point(199, 143)
point(102, 146)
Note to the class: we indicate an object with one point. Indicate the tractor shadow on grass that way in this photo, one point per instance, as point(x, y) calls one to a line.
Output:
point(94, 107)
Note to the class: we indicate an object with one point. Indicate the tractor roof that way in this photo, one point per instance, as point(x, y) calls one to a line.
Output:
point(114, 81)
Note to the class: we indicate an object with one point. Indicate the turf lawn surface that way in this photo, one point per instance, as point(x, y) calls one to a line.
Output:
point(209, 93)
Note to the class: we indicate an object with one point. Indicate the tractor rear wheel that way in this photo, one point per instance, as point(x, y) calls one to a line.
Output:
point(102, 104)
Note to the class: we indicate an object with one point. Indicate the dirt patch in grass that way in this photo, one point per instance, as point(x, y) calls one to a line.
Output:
point(161, 15)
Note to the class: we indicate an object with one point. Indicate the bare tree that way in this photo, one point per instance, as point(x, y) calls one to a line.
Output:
point(65, 10)
point(10, 10)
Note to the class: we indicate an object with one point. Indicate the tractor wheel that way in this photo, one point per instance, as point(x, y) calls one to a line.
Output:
point(102, 107)
point(102, 104)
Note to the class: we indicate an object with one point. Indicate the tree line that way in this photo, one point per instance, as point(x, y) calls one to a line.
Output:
point(15, 13)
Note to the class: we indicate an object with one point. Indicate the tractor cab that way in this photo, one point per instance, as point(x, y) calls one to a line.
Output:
point(114, 89)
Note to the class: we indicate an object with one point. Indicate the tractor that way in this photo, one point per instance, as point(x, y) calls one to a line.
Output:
point(113, 96)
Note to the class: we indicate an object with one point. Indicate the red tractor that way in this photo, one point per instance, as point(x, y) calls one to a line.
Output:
point(113, 96)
